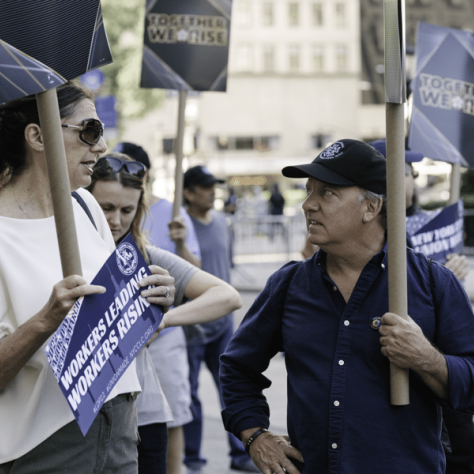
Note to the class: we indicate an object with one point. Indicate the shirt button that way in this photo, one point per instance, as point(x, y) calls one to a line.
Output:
point(383, 265)
point(334, 445)
point(346, 323)
point(336, 403)
point(334, 288)
point(341, 362)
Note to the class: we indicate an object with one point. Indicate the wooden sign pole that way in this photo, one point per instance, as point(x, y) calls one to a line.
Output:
point(455, 183)
point(178, 190)
point(50, 123)
point(396, 237)
point(395, 91)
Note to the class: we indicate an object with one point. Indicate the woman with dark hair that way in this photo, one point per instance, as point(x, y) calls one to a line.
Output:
point(37, 430)
point(118, 184)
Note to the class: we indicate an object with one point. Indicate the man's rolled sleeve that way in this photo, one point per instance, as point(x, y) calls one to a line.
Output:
point(455, 338)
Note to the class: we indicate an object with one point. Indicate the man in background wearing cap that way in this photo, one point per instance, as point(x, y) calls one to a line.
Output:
point(207, 344)
point(329, 315)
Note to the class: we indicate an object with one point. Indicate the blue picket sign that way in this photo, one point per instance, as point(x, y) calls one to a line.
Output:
point(442, 119)
point(102, 334)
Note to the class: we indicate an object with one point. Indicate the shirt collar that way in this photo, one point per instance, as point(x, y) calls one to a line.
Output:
point(379, 258)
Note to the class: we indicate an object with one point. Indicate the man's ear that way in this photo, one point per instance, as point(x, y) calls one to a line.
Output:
point(188, 194)
point(373, 208)
point(33, 137)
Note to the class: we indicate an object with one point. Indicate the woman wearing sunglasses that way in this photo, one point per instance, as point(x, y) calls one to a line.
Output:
point(37, 428)
point(119, 187)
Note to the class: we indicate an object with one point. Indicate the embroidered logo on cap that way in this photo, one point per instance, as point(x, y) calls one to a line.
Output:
point(332, 151)
point(205, 171)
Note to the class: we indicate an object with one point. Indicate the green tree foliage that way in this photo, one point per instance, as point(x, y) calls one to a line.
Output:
point(124, 23)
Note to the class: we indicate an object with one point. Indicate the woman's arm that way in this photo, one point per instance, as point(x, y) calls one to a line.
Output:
point(211, 297)
point(17, 348)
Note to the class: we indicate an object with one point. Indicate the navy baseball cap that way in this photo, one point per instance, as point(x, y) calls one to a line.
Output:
point(200, 176)
point(410, 156)
point(346, 162)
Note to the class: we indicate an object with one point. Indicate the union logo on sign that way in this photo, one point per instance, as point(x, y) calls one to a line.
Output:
point(332, 151)
point(127, 259)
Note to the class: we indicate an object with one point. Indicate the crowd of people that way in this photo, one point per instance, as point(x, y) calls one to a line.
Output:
point(328, 314)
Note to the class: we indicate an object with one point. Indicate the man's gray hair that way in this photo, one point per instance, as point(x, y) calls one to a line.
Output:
point(373, 197)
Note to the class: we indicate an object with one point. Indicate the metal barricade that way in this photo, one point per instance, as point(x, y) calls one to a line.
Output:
point(267, 238)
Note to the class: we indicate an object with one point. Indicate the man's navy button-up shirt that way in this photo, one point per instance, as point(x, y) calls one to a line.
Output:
point(339, 413)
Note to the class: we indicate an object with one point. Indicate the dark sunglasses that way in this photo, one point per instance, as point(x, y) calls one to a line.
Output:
point(90, 130)
point(110, 164)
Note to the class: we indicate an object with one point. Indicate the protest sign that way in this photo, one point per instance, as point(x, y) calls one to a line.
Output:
point(442, 119)
point(186, 44)
point(102, 334)
point(438, 233)
point(44, 44)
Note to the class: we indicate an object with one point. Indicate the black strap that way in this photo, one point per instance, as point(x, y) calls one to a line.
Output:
point(83, 204)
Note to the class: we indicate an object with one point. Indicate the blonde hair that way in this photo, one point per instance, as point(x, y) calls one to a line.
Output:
point(128, 181)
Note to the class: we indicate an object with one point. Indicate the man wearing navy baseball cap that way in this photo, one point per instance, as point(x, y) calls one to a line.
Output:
point(329, 316)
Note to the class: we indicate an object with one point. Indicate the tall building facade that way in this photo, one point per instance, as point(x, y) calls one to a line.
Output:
point(293, 87)
point(302, 73)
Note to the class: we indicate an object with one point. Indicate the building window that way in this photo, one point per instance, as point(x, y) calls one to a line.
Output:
point(258, 143)
point(341, 57)
point(243, 143)
point(268, 58)
point(294, 57)
point(320, 140)
point(244, 58)
point(293, 14)
point(267, 143)
point(268, 14)
point(244, 14)
point(317, 14)
point(340, 15)
point(168, 145)
point(318, 57)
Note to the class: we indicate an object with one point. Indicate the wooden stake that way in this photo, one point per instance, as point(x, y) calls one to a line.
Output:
point(50, 123)
point(455, 183)
point(178, 177)
point(396, 237)
point(395, 98)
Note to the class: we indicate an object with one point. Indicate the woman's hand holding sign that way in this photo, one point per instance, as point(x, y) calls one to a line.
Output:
point(30, 336)
point(163, 289)
point(64, 295)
